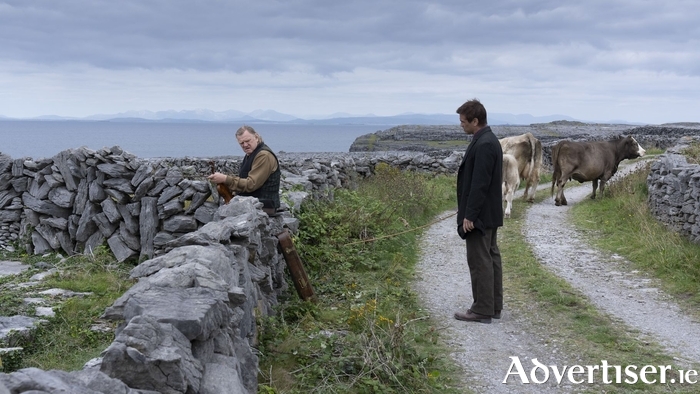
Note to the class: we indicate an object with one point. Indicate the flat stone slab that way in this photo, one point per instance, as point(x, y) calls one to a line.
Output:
point(12, 268)
point(15, 323)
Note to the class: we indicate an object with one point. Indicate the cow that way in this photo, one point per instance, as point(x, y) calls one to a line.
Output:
point(511, 181)
point(595, 161)
point(527, 150)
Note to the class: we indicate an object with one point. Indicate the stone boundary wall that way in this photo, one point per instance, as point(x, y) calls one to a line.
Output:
point(81, 198)
point(674, 191)
point(209, 271)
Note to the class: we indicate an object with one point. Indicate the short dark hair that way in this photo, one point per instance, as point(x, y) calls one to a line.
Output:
point(473, 109)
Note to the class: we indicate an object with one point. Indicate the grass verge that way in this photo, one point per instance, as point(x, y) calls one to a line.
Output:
point(564, 316)
point(621, 223)
point(364, 334)
point(67, 340)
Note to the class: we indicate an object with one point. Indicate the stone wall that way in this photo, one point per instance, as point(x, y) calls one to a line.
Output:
point(674, 191)
point(207, 272)
point(189, 324)
point(81, 198)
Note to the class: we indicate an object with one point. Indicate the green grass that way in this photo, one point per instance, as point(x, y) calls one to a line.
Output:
point(365, 333)
point(692, 153)
point(566, 315)
point(66, 342)
point(621, 223)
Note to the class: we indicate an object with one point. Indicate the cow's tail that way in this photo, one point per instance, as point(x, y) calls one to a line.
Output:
point(556, 170)
point(533, 155)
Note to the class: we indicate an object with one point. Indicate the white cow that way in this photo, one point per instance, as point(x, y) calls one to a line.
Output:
point(527, 150)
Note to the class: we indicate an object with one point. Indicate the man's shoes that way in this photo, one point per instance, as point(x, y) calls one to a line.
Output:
point(497, 315)
point(471, 316)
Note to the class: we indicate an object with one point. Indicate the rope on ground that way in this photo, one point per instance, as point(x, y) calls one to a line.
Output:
point(401, 232)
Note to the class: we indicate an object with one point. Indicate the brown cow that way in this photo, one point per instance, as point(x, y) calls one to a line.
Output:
point(590, 161)
point(511, 181)
point(527, 150)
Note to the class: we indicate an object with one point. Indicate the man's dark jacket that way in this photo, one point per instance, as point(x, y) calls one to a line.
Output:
point(479, 192)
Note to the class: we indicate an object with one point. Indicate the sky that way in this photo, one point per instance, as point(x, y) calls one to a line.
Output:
point(631, 60)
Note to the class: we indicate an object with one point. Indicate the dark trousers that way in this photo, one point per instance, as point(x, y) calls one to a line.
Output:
point(484, 260)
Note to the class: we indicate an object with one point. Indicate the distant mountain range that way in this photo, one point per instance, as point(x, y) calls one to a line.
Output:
point(270, 116)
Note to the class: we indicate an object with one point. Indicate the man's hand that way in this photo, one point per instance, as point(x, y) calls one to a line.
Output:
point(217, 177)
point(467, 225)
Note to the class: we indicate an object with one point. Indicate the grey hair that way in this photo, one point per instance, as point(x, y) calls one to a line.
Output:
point(251, 130)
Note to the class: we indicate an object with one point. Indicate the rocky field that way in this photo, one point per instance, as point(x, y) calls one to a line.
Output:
point(445, 139)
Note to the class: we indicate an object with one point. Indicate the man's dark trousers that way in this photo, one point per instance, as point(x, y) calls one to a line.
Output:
point(484, 260)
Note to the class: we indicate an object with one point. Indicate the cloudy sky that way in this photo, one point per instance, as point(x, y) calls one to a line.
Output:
point(633, 60)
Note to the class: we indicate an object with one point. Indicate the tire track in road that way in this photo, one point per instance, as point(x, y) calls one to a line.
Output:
point(484, 350)
point(608, 279)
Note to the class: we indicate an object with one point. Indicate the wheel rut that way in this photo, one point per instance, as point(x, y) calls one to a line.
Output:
point(484, 351)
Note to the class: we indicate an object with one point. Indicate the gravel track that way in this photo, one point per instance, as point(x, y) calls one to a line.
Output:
point(484, 350)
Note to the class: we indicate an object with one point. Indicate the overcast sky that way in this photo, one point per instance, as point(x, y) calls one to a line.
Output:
point(633, 60)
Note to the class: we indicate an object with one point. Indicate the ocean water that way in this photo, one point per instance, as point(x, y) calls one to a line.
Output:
point(40, 139)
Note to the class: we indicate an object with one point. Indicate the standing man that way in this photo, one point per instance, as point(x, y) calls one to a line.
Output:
point(259, 174)
point(480, 213)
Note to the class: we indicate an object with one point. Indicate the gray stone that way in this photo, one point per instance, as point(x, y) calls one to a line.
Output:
point(118, 196)
point(67, 168)
point(62, 197)
point(206, 212)
point(86, 224)
point(115, 170)
point(153, 356)
point(106, 227)
point(198, 199)
point(149, 224)
point(44, 207)
point(143, 188)
point(57, 223)
point(121, 251)
point(222, 376)
point(110, 210)
point(180, 224)
point(131, 240)
point(12, 268)
point(142, 173)
point(81, 197)
point(170, 208)
point(121, 184)
point(168, 194)
point(18, 323)
point(9, 216)
point(96, 193)
point(40, 245)
point(174, 176)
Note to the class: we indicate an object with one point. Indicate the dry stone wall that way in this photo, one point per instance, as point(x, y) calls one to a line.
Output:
point(674, 191)
point(207, 272)
point(80, 199)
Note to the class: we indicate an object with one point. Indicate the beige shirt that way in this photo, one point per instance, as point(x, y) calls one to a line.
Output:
point(263, 166)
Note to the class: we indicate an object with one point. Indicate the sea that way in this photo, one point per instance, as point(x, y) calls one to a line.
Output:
point(43, 138)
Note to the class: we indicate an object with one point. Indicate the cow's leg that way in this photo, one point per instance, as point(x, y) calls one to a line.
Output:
point(526, 193)
point(560, 198)
point(509, 201)
point(530, 191)
point(595, 186)
point(602, 187)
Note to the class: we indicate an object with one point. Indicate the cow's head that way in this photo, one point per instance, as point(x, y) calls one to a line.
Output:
point(632, 148)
